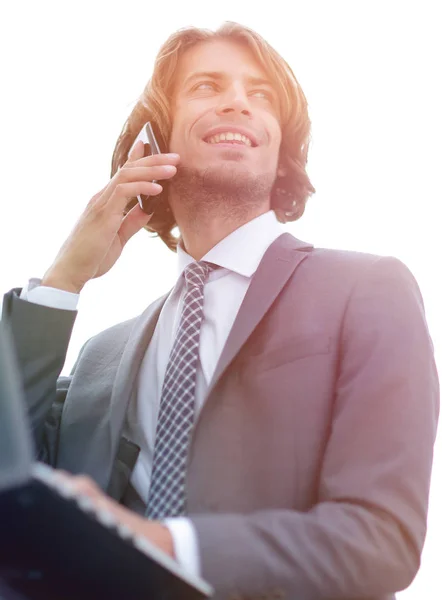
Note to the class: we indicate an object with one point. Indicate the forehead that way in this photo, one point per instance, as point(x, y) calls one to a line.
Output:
point(230, 57)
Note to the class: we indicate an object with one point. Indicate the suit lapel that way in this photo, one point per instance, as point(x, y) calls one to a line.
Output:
point(94, 453)
point(277, 265)
point(129, 366)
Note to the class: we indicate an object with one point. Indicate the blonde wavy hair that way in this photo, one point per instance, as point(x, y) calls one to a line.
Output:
point(289, 195)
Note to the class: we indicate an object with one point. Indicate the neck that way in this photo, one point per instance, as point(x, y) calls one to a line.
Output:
point(202, 231)
point(209, 205)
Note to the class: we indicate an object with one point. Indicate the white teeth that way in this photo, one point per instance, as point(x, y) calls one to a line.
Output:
point(229, 136)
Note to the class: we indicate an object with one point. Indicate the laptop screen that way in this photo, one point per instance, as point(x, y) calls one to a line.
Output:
point(16, 455)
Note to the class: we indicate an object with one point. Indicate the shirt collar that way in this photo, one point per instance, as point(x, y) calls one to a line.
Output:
point(242, 250)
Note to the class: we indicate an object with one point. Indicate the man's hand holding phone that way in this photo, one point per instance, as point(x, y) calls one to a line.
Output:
point(100, 234)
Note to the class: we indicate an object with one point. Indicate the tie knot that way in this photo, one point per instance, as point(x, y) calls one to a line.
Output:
point(196, 273)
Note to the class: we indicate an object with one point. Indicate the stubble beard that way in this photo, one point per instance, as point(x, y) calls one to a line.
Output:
point(228, 191)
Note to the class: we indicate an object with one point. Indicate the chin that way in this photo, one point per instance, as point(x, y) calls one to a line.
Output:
point(227, 175)
point(227, 168)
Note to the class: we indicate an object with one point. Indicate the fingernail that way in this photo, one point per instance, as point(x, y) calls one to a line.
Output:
point(173, 155)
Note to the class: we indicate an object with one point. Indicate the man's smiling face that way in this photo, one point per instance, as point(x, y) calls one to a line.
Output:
point(225, 115)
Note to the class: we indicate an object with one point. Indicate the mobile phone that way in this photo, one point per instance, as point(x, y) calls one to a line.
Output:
point(151, 146)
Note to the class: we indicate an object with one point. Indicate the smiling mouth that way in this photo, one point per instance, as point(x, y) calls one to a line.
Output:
point(229, 138)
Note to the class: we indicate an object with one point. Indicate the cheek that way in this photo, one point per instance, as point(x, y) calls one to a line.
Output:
point(275, 147)
point(174, 142)
point(276, 134)
point(182, 142)
point(269, 156)
point(184, 118)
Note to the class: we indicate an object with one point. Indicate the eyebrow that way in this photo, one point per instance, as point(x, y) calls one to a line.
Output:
point(219, 75)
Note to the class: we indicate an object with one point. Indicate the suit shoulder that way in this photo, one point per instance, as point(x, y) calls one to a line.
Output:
point(363, 268)
point(359, 262)
point(117, 335)
point(339, 256)
point(107, 344)
point(347, 269)
point(115, 332)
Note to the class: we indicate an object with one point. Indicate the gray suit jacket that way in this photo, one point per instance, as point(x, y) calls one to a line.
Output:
point(310, 462)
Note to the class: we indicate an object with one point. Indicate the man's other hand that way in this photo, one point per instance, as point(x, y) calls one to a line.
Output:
point(157, 533)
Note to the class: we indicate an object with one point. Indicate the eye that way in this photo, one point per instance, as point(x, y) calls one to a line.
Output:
point(205, 85)
point(264, 94)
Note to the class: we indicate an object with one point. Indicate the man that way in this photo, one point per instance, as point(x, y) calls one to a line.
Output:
point(270, 422)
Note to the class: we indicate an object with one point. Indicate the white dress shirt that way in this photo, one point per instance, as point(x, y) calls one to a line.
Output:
point(238, 255)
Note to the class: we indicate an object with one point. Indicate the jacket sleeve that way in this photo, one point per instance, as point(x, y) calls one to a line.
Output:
point(364, 537)
point(41, 336)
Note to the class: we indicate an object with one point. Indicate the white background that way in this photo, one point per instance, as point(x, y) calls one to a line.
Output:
point(71, 73)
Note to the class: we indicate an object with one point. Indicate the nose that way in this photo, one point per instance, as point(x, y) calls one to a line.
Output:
point(234, 100)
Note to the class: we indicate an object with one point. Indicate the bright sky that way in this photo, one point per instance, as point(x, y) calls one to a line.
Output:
point(371, 73)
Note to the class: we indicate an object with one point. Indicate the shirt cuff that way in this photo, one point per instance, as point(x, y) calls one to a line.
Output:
point(48, 296)
point(185, 544)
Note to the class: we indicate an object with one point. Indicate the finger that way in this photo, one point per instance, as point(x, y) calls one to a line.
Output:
point(141, 176)
point(123, 192)
point(148, 173)
point(76, 484)
point(135, 220)
point(87, 486)
point(63, 473)
point(154, 159)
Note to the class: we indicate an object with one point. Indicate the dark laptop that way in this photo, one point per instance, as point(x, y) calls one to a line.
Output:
point(55, 545)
